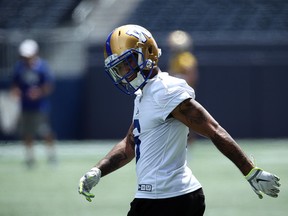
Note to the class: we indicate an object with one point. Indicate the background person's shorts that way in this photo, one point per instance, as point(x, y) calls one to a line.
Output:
point(34, 123)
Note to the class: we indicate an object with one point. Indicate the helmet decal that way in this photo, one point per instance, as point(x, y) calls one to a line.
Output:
point(139, 33)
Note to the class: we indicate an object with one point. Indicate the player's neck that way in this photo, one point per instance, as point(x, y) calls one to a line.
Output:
point(155, 71)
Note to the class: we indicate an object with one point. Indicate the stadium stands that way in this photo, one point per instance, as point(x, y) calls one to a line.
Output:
point(35, 14)
point(208, 18)
point(211, 15)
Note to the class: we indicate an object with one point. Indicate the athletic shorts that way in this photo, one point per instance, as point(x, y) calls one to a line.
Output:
point(34, 123)
point(191, 204)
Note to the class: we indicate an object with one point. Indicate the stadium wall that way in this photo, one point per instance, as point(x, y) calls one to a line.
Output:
point(243, 87)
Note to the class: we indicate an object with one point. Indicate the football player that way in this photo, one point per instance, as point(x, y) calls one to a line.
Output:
point(165, 108)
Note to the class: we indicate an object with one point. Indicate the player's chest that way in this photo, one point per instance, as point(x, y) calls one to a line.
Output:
point(148, 114)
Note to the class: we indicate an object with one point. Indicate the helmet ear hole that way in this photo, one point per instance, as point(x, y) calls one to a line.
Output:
point(150, 49)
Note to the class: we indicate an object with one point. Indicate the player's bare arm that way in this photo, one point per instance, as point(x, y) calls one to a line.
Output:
point(194, 115)
point(120, 155)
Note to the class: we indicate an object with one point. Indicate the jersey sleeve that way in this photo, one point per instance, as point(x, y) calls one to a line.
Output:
point(170, 97)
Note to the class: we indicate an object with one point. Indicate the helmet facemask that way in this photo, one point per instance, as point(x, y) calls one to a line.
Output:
point(129, 71)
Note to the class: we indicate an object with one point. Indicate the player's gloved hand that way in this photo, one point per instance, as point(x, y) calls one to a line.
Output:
point(263, 182)
point(88, 181)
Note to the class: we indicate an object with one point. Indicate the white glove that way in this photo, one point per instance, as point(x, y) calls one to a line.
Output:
point(88, 181)
point(263, 182)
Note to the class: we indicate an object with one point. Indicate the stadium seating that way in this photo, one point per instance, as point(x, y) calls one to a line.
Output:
point(212, 15)
point(17, 14)
point(191, 15)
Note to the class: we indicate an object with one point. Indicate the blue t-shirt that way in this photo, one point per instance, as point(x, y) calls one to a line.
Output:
point(26, 78)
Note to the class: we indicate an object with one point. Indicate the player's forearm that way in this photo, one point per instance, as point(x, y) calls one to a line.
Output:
point(227, 145)
point(119, 156)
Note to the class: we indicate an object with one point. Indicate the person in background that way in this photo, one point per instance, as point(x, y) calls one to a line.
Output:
point(182, 62)
point(164, 109)
point(33, 82)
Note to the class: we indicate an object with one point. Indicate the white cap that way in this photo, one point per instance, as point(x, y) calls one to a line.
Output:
point(28, 48)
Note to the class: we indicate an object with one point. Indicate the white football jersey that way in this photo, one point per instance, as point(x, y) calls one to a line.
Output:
point(160, 140)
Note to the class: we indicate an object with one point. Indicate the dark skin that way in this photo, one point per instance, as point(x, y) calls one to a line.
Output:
point(120, 155)
point(194, 116)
